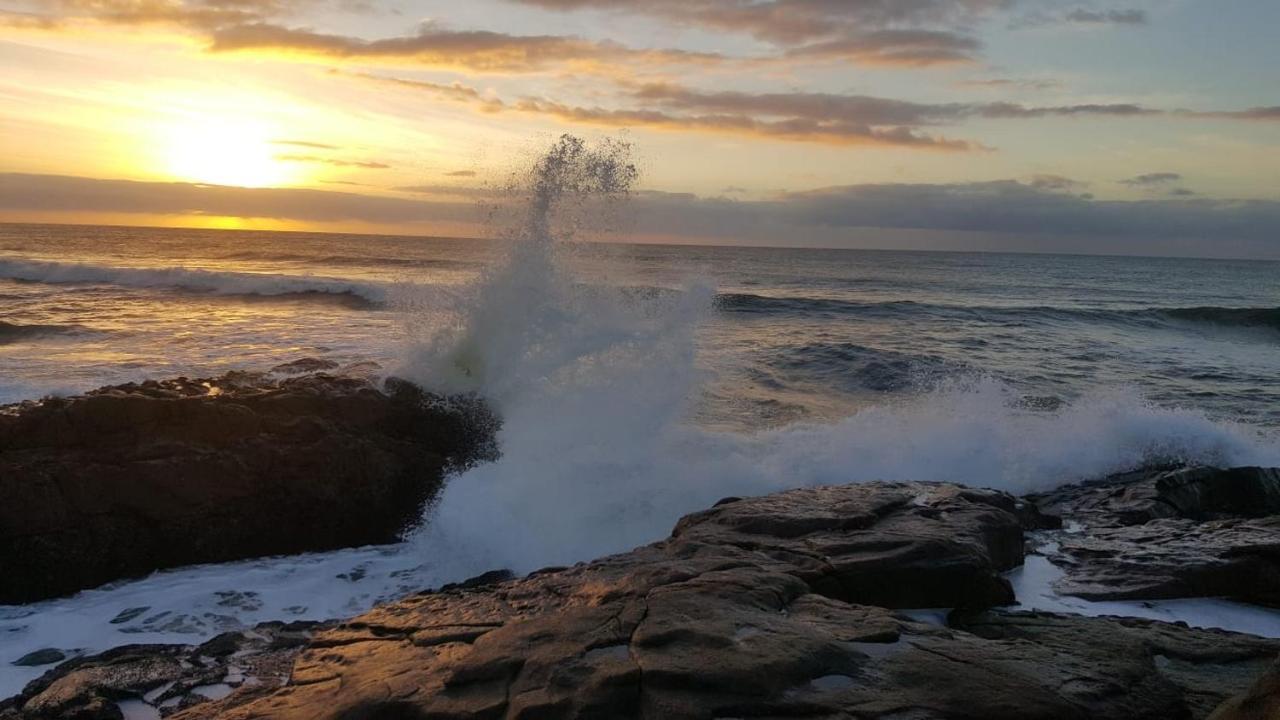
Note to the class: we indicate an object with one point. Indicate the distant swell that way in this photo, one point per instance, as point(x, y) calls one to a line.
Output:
point(14, 332)
point(207, 281)
point(747, 303)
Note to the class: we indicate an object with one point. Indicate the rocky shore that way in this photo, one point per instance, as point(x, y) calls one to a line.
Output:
point(129, 479)
point(878, 600)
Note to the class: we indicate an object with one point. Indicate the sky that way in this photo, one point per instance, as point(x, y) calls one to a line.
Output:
point(1147, 127)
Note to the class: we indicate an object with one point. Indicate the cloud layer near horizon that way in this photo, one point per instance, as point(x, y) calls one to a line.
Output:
point(1025, 212)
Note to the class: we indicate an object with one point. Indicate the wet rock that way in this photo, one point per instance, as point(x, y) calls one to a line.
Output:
point(164, 677)
point(1201, 667)
point(1190, 532)
point(46, 656)
point(129, 479)
point(758, 608)
point(780, 606)
point(1259, 702)
point(1193, 493)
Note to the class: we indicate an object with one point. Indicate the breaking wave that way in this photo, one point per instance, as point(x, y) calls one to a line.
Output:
point(596, 388)
point(193, 280)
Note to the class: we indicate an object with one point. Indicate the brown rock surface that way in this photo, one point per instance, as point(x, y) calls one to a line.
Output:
point(758, 608)
point(169, 678)
point(125, 480)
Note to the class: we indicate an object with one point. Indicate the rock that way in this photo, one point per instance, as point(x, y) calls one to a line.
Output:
point(772, 607)
point(243, 664)
point(1192, 532)
point(305, 365)
point(46, 656)
point(1204, 667)
point(1259, 702)
point(759, 608)
point(1193, 493)
point(129, 479)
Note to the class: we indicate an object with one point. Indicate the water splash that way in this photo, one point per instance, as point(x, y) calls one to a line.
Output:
point(595, 383)
point(525, 323)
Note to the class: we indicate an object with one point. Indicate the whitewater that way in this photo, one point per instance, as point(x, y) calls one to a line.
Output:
point(639, 384)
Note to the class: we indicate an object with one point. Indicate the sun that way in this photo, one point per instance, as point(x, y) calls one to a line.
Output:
point(227, 151)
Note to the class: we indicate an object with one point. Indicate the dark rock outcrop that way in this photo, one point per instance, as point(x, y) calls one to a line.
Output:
point(762, 608)
point(1190, 532)
point(126, 480)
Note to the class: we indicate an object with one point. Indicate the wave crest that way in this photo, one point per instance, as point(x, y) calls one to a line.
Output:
point(1224, 316)
point(16, 332)
point(215, 282)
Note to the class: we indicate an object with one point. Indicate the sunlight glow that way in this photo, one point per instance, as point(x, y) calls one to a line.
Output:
point(227, 151)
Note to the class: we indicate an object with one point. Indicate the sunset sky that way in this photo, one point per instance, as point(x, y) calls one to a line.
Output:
point(1146, 127)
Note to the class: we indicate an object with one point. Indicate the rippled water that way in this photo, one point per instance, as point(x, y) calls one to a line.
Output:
point(638, 383)
point(796, 334)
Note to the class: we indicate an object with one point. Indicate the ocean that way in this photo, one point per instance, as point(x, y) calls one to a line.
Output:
point(789, 335)
point(639, 382)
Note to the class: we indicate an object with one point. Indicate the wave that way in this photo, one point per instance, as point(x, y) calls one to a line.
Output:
point(194, 280)
point(595, 385)
point(850, 366)
point(599, 455)
point(15, 332)
point(1239, 317)
point(349, 260)
point(748, 303)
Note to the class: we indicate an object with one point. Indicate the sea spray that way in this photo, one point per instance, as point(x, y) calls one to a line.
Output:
point(595, 385)
point(525, 323)
point(592, 381)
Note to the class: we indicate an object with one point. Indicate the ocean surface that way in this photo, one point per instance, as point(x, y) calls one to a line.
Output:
point(788, 335)
point(640, 382)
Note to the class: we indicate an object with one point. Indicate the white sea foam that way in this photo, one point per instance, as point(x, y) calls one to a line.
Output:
point(195, 280)
point(598, 453)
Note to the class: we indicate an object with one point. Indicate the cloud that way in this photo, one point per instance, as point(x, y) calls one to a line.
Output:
point(1017, 83)
point(1054, 182)
point(915, 33)
point(801, 129)
point(792, 22)
point(1265, 114)
point(1149, 179)
point(195, 14)
point(800, 117)
point(316, 159)
point(865, 109)
point(475, 50)
point(306, 144)
point(908, 48)
point(1022, 215)
point(450, 190)
point(724, 119)
point(58, 193)
point(1083, 17)
point(1108, 17)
